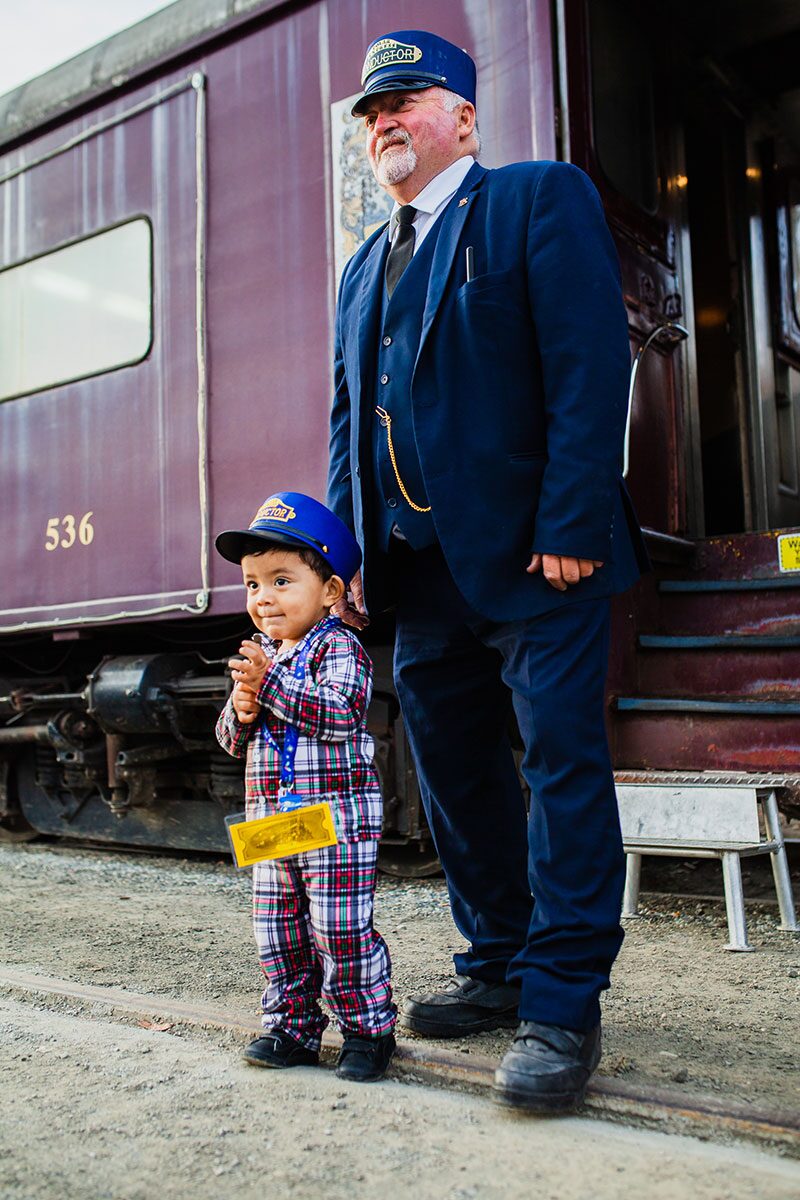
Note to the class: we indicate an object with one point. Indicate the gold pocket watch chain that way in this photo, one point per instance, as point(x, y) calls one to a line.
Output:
point(386, 421)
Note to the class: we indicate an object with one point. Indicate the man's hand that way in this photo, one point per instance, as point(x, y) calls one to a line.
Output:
point(560, 571)
point(354, 614)
point(251, 667)
point(244, 703)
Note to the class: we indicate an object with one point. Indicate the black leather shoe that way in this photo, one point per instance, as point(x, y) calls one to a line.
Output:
point(363, 1059)
point(465, 1006)
point(278, 1049)
point(547, 1068)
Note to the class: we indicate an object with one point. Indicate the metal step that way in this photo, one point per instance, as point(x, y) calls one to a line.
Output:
point(728, 611)
point(738, 708)
point(757, 779)
point(725, 641)
point(650, 734)
point(768, 583)
point(746, 668)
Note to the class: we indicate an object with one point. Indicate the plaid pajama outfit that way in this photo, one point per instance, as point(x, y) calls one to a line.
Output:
point(312, 912)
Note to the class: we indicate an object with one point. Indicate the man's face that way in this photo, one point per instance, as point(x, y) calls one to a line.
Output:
point(410, 134)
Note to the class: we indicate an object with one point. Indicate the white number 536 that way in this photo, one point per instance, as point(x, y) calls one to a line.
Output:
point(65, 531)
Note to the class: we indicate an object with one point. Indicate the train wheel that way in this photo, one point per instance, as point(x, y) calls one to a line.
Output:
point(13, 826)
point(413, 861)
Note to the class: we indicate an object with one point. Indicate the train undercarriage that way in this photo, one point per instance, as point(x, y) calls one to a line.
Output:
point(123, 752)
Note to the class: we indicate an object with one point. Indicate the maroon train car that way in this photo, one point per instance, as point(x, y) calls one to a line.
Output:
point(177, 204)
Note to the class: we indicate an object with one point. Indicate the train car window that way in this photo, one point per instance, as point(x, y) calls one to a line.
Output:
point(785, 206)
point(622, 100)
point(77, 311)
point(794, 234)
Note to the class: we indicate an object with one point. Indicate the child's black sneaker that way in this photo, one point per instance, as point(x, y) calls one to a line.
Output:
point(364, 1059)
point(278, 1049)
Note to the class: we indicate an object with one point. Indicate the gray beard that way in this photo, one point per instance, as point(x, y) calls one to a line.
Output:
point(395, 165)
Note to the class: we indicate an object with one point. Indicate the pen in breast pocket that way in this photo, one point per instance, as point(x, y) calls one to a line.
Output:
point(470, 263)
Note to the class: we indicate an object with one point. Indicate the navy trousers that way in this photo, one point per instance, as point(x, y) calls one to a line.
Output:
point(538, 898)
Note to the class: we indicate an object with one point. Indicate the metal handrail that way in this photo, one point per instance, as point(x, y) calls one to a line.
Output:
point(677, 333)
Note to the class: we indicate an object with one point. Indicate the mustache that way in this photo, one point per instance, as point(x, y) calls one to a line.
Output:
point(396, 137)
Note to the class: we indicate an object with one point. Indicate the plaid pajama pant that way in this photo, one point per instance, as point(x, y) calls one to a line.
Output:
point(312, 919)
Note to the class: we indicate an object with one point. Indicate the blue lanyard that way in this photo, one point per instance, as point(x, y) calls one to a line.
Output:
point(292, 734)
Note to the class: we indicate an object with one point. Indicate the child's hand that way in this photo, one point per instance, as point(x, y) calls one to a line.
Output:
point(249, 669)
point(244, 703)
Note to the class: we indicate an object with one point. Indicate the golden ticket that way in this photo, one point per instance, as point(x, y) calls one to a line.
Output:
point(281, 834)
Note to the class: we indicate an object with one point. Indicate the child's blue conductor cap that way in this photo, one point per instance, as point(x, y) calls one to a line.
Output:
point(296, 520)
point(412, 59)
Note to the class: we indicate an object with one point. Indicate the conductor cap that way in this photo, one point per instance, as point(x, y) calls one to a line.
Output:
point(295, 520)
point(412, 59)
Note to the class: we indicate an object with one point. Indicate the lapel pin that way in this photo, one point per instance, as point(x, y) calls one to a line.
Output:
point(463, 201)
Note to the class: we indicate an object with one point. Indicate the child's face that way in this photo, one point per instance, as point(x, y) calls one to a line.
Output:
point(285, 598)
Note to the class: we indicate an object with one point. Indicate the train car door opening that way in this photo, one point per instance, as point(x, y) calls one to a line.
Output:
point(715, 166)
point(689, 128)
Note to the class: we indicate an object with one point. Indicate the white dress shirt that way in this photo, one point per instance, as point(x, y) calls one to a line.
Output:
point(430, 204)
point(432, 200)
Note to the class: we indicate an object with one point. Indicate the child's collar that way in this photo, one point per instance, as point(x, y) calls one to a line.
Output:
point(284, 656)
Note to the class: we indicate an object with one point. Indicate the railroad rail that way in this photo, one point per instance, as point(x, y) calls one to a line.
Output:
point(663, 1109)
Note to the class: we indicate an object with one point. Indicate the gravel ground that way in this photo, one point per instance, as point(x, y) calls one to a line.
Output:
point(682, 1011)
point(94, 1110)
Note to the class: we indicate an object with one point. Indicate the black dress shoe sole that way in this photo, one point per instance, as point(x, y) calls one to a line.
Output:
point(444, 1029)
point(542, 1103)
point(273, 1065)
point(510, 1090)
point(361, 1078)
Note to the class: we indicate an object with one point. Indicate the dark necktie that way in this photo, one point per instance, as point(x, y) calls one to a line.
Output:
point(402, 249)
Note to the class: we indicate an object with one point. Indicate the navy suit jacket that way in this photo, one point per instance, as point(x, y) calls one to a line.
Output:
point(519, 392)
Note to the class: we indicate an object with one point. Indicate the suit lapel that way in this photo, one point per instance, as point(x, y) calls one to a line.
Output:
point(370, 303)
point(452, 219)
point(360, 322)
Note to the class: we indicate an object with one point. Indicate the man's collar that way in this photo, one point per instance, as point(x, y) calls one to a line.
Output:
point(440, 188)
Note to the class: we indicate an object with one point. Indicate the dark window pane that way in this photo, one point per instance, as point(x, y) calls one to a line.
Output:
point(794, 233)
point(622, 97)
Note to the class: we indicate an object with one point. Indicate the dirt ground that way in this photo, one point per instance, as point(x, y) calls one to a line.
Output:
point(95, 1110)
point(682, 1011)
point(92, 1109)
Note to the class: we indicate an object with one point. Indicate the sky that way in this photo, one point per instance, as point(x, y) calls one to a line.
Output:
point(40, 34)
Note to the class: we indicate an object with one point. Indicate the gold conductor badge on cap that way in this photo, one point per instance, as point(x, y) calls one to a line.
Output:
point(274, 509)
point(388, 52)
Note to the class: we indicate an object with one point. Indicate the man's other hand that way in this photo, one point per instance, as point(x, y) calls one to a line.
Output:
point(560, 571)
point(353, 613)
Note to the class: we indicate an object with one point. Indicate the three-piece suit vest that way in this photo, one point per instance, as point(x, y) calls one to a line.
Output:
point(398, 343)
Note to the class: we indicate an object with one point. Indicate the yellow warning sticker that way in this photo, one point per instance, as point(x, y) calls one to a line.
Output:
point(789, 552)
point(281, 834)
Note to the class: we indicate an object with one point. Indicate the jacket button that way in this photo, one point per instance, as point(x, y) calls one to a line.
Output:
point(384, 378)
point(387, 341)
point(392, 502)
